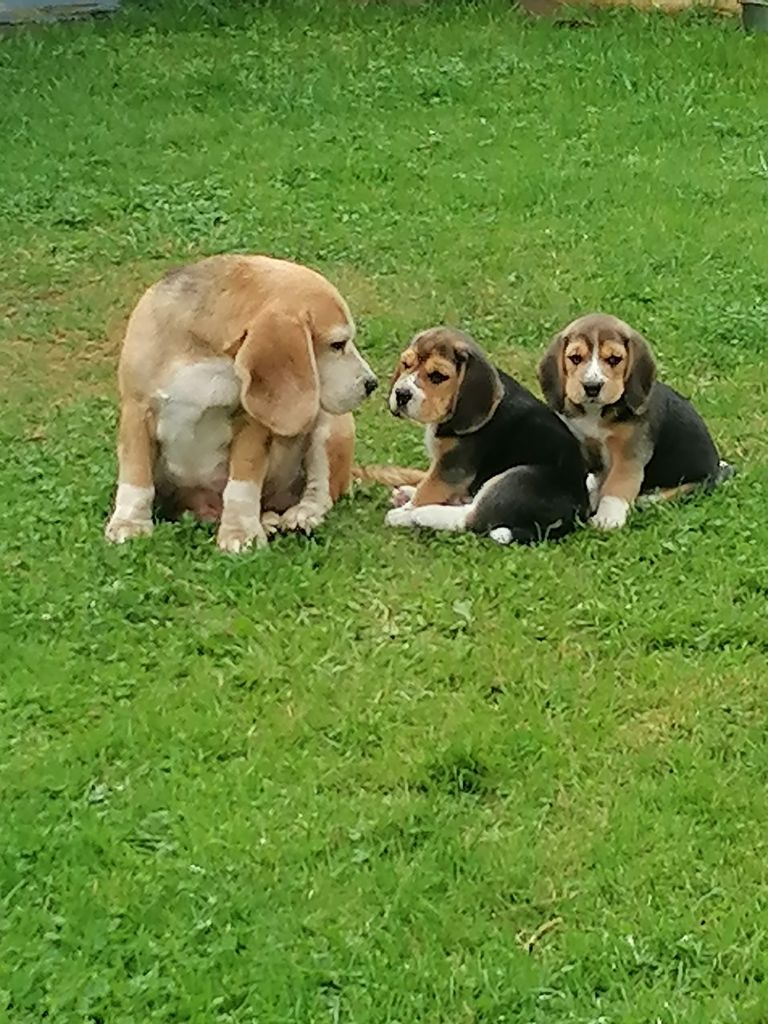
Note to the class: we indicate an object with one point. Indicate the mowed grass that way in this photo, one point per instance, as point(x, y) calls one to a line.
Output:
point(347, 780)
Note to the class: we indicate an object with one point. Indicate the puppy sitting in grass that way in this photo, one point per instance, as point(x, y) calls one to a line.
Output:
point(640, 437)
point(502, 463)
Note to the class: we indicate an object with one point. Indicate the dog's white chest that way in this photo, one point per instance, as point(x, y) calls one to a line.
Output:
point(592, 433)
point(429, 441)
point(194, 423)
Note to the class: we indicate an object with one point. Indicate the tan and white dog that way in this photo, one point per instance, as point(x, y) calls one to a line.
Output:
point(238, 375)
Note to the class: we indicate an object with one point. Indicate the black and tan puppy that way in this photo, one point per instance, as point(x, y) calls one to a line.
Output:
point(502, 463)
point(639, 436)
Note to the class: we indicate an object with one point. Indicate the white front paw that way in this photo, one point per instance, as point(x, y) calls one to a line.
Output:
point(403, 516)
point(304, 517)
point(236, 537)
point(119, 530)
point(611, 513)
point(402, 496)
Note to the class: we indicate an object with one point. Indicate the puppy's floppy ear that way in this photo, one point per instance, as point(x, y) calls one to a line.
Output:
point(276, 366)
point(479, 388)
point(640, 373)
point(551, 373)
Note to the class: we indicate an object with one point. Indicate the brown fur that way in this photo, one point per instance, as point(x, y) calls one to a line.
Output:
point(628, 372)
point(564, 364)
point(281, 325)
point(434, 489)
point(457, 381)
point(457, 384)
point(390, 476)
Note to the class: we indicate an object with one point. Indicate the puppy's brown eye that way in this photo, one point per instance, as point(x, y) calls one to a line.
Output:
point(613, 360)
point(338, 346)
point(576, 359)
point(436, 377)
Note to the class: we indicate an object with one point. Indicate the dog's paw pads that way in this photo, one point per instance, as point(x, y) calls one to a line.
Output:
point(402, 496)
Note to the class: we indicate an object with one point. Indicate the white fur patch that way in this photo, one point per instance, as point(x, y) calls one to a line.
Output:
point(194, 429)
point(407, 382)
point(611, 513)
point(244, 495)
point(241, 517)
point(594, 372)
point(593, 490)
point(132, 516)
point(431, 517)
point(501, 535)
point(133, 502)
point(342, 375)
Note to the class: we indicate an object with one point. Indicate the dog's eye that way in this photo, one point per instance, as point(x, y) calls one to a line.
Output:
point(613, 360)
point(338, 346)
point(436, 377)
point(576, 359)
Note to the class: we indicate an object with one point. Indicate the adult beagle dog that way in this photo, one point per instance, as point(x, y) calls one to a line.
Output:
point(237, 378)
point(639, 436)
point(502, 464)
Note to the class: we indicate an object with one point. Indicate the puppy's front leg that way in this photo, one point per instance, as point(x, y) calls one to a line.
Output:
point(241, 515)
point(132, 515)
point(443, 485)
point(315, 500)
point(619, 490)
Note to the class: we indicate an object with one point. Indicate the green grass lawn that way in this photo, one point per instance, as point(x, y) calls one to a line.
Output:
point(345, 780)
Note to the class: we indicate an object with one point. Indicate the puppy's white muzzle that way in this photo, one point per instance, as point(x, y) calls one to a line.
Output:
point(406, 397)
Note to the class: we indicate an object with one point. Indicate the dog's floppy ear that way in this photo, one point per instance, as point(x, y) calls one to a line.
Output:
point(551, 373)
point(640, 373)
point(479, 389)
point(276, 365)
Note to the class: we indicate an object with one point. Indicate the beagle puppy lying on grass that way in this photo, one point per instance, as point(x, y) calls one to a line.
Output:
point(237, 378)
point(502, 463)
point(639, 436)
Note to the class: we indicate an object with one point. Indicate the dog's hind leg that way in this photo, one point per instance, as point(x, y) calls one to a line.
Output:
point(136, 450)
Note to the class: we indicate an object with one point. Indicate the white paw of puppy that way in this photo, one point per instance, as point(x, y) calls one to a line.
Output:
point(270, 523)
point(302, 517)
point(611, 514)
point(403, 516)
point(402, 496)
point(593, 490)
point(119, 530)
point(234, 538)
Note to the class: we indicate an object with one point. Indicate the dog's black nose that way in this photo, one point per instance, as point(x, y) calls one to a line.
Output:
point(370, 385)
point(592, 390)
point(402, 397)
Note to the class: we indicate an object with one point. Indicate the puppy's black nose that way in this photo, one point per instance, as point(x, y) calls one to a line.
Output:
point(370, 385)
point(592, 390)
point(402, 397)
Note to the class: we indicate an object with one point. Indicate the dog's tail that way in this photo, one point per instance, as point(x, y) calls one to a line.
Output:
point(390, 476)
point(724, 472)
